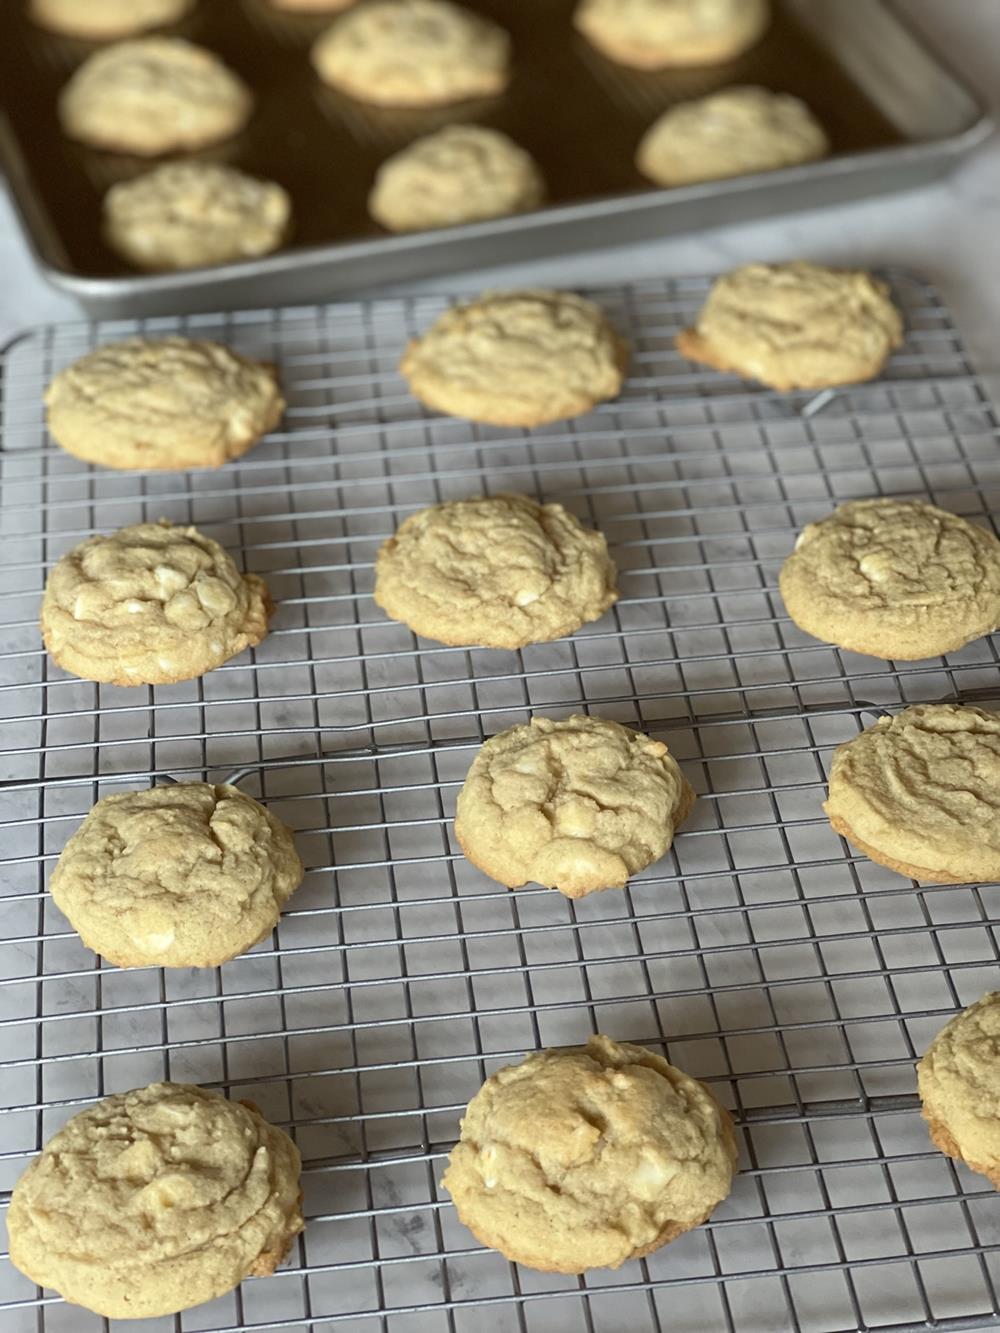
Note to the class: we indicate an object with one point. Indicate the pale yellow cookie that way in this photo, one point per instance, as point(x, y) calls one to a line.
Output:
point(463, 173)
point(169, 403)
point(897, 579)
point(919, 793)
point(959, 1084)
point(655, 34)
point(730, 133)
point(156, 1200)
point(183, 875)
point(150, 604)
point(578, 805)
point(520, 358)
point(313, 6)
point(796, 326)
point(588, 1157)
point(154, 95)
point(107, 20)
point(498, 572)
point(188, 214)
point(413, 53)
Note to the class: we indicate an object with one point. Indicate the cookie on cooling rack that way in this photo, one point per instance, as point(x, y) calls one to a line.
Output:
point(520, 358)
point(919, 792)
point(188, 214)
point(168, 403)
point(656, 34)
point(498, 571)
point(796, 326)
point(730, 133)
point(154, 95)
point(959, 1084)
point(896, 579)
point(107, 20)
point(183, 875)
point(463, 173)
point(150, 604)
point(588, 1157)
point(413, 53)
point(578, 805)
point(156, 1200)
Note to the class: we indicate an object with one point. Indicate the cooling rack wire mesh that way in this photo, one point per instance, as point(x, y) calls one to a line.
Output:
point(761, 955)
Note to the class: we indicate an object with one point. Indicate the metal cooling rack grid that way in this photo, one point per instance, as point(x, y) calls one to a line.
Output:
point(799, 980)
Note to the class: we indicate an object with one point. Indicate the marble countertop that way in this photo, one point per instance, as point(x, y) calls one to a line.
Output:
point(950, 231)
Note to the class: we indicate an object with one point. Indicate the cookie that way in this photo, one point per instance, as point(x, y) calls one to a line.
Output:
point(156, 1200)
point(313, 6)
point(919, 793)
point(188, 214)
point(106, 20)
point(588, 1157)
point(730, 133)
point(150, 604)
point(520, 358)
point(896, 579)
point(463, 173)
point(413, 53)
point(578, 805)
point(796, 326)
point(186, 875)
point(959, 1084)
point(495, 572)
point(167, 403)
point(656, 34)
point(154, 95)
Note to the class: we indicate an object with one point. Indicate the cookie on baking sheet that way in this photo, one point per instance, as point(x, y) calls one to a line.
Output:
point(313, 6)
point(188, 214)
point(919, 793)
point(730, 133)
point(185, 875)
point(463, 173)
point(796, 326)
point(518, 358)
point(169, 403)
point(154, 95)
point(655, 34)
point(413, 53)
point(896, 579)
point(959, 1084)
point(150, 604)
point(155, 1200)
point(107, 20)
point(578, 805)
point(496, 572)
point(590, 1156)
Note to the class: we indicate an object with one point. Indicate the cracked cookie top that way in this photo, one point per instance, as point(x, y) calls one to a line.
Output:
point(959, 1083)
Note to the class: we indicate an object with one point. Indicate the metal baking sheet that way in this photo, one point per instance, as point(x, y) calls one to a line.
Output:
point(762, 954)
point(895, 115)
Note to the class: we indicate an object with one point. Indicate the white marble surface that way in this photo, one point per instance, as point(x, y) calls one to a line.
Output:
point(949, 231)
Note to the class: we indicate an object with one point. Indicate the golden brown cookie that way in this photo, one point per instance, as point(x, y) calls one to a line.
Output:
point(463, 173)
point(656, 34)
point(919, 793)
point(498, 571)
point(796, 326)
point(107, 20)
point(588, 1157)
point(730, 133)
point(520, 358)
point(578, 805)
point(169, 403)
point(897, 579)
point(184, 875)
point(150, 604)
point(959, 1084)
point(156, 1200)
point(154, 95)
point(413, 53)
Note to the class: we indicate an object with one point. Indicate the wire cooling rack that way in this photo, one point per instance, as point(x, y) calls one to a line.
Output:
point(799, 980)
